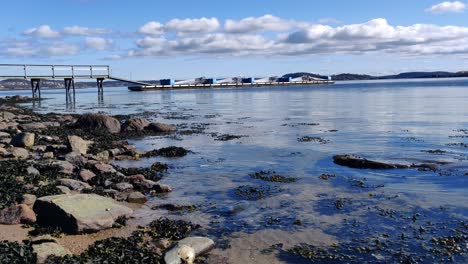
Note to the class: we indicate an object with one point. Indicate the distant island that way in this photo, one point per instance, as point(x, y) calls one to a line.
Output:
point(21, 84)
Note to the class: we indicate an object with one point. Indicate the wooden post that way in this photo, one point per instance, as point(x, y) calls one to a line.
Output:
point(35, 87)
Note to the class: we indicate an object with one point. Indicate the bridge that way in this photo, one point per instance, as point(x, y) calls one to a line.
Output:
point(69, 73)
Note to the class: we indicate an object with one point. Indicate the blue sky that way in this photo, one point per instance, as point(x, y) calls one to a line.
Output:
point(184, 39)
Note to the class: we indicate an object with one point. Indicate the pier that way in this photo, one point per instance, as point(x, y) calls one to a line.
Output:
point(69, 73)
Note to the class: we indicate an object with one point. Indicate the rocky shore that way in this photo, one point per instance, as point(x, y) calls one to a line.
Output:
point(57, 179)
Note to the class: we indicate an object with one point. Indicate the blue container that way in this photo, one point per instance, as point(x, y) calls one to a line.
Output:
point(284, 79)
point(166, 82)
point(248, 80)
point(210, 81)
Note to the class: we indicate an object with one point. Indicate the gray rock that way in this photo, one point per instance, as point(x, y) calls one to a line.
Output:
point(160, 127)
point(20, 153)
point(75, 158)
point(136, 197)
point(29, 199)
point(98, 121)
point(47, 249)
point(32, 171)
point(135, 124)
point(123, 186)
point(78, 145)
point(33, 126)
point(23, 140)
point(17, 214)
point(86, 175)
point(103, 156)
point(200, 245)
point(3, 152)
point(48, 155)
point(40, 148)
point(6, 115)
point(4, 134)
point(74, 184)
point(65, 166)
point(79, 213)
point(115, 152)
point(63, 189)
point(102, 167)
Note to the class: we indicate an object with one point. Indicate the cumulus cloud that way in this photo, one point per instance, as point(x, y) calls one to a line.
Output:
point(97, 43)
point(447, 7)
point(193, 25)
point(43, 31)
point(152, 28)
point(257, 24)
point(62, 49)
point(376, 35)
point(84, 31)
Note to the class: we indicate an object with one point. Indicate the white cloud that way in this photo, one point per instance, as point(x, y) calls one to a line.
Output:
point(447, 7)
point(97, 43)
point(62, 49)
point(151, 28)
point(193, 25)
point(376, 35)
point(256, 24)
point(84, 31)
point(43, 31)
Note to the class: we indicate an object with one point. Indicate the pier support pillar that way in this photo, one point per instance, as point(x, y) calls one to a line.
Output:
point(100, 90)
point(36, 88)
point(69, 85)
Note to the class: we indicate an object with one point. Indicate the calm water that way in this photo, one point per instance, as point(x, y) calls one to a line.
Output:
point(390, 121)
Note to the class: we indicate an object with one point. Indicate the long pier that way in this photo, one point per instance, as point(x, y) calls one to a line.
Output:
point(69, 73)
point(225, 85)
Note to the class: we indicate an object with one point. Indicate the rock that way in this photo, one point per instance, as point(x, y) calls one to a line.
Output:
point(39, 148)
point(7, 115)
point(3, 152)
point(29, 199)
point(98, 121)
point(78, 145)
point(103, 156)
point(123, 186)
point(136, 178)
point(361, 163)
point(32, 171)
point(4, 134)
point(79, 213)
point(162, 188)
point(20, 153)
point(135, 124)
point(76, 158)
point(17, 214)
point(86, 175)
point(63, 189)
point(23, 140)
point(136, 197)
point(115, 152)
point(47, 249)
point(48, 155)
point(104, 168)
point(160, 127)
point(74, 184)
point(65, 166)
point(163, 243)
point(33, 126)
point(200, 245)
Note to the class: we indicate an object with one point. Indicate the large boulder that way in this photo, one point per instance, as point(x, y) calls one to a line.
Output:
point(33, 126)
point(6, 115)
point(78, 145)
point(200, 245)
point(17, 214)
point(161, 127)
point(98, 121)
point(78, 213)
point(135, 124)
point(23, 140)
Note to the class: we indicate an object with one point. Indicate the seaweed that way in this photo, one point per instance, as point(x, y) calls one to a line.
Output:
point(169, 152)
point(313, 139)
point(170, 229)
point(15, 253)
point(271, 176)
point(253, 193)
point(155, 172)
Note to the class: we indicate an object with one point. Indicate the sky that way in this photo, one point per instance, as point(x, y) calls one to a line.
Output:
point(187, 39)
